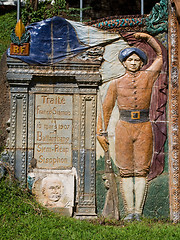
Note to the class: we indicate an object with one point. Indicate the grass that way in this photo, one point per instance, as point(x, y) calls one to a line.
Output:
point(21, 217)
point(7, 23)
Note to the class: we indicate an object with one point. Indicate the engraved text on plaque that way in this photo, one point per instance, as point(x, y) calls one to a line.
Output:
point(53, 131)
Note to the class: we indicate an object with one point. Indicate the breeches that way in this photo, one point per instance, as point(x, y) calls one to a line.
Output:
point(134, 148)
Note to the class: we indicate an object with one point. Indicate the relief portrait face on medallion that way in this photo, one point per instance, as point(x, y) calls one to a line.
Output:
point(52, 190)
point(133, 63)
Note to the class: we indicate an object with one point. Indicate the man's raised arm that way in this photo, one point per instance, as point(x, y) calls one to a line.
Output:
point(157, 64)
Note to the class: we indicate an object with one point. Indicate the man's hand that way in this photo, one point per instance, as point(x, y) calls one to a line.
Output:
point(104, 142)
point(142, 36)
point(153, 43)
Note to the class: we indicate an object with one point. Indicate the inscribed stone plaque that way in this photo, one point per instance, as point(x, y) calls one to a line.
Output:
point(53, 131)
point(53, 106)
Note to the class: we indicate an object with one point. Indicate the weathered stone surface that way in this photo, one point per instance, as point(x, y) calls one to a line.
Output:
point(2, 171)
point(54, 189)
point(53, 131)
point(53, 106)
point(55, 110)
point(4, 102)
point(53, 155)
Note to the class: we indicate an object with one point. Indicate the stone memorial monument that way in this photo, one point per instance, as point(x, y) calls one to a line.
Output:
point(74, 73)
point(53, 125)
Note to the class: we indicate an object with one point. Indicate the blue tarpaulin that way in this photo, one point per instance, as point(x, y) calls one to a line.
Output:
point(54, 39)
point(51, 41)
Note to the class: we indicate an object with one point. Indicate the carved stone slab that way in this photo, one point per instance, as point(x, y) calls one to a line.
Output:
point(53, 106)
point(54, 189)
point(53, 131)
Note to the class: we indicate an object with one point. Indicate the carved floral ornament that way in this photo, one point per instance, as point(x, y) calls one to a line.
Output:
point(20, 38)
point(154, 23)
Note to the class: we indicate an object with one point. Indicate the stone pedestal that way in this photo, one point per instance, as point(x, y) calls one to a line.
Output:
point(53, 125)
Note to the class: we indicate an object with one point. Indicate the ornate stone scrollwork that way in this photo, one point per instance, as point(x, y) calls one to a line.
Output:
point(173, 119)
point(15, 135)
point(156, 22)
point(84, 151)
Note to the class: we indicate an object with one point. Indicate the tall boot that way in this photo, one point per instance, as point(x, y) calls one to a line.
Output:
point(140, 195)
point(127, 187)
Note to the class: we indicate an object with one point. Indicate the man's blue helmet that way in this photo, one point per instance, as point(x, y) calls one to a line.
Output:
point(125, 53)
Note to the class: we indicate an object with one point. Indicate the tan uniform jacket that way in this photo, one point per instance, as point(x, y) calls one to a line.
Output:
point(134, 141)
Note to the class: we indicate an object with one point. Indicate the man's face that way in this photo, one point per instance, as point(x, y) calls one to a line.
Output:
point(133, 63)
point(53, 191)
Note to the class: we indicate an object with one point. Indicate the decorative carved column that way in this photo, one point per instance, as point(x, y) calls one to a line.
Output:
point(19, 121)
point(174, 119)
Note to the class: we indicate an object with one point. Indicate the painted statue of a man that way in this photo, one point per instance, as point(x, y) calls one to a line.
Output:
point(133, 133)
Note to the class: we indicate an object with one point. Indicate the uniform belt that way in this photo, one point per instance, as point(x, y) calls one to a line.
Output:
point(134, 116)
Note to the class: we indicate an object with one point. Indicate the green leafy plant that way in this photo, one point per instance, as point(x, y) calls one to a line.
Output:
point(47, 9)
point(24, 39)
point(7, 23)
